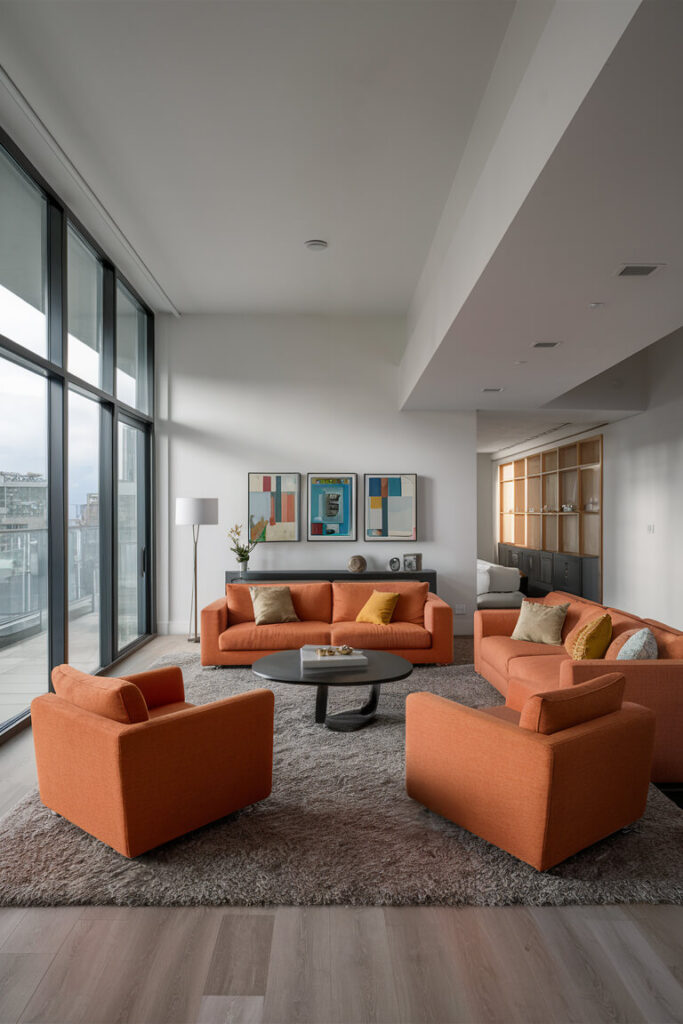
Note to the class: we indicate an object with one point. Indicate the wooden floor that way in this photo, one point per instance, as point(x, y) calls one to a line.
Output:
point(330, 964)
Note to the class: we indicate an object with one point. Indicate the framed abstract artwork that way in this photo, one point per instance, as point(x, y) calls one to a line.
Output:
point(390, 506)
point(273, 509)
point(332, 506)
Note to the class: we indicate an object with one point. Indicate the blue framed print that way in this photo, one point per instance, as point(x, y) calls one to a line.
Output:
point(332, 506)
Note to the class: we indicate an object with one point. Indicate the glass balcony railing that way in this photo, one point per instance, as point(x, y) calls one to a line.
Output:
point(24, 611)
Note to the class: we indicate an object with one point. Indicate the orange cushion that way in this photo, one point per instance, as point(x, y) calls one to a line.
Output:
point(561, 709)
point(392, 637)
point(112, 698)
point(311, 601)
point(503, 712)
point(169, 709)
point(576, 611)
point(499, 651)
point(349, 598)
point(543, 670)
point(277, 636)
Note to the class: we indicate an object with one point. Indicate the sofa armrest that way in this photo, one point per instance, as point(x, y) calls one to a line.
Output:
point(214, 622)
point(195, 766)
point(492, 622)
point(438, 617)
point(159, 685)
point(77, 758)
point(656, 684)
point(643, 678)
point(495, 622)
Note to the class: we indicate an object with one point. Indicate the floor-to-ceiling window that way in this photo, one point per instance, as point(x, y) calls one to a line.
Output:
point(23, 538)
point(76, 387)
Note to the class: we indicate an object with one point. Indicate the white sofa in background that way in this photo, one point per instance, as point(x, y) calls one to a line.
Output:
point(498, 586)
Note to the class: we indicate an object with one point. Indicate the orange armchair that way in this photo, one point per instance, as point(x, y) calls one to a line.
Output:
point(570, 769)
point(135, 765)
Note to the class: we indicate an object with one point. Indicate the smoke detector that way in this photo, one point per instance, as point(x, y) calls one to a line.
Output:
point(316, 244)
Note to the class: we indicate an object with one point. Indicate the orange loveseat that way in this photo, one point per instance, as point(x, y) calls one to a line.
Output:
point(421, 629)
point(569, 769)
point(518, 669)
point(134, 764)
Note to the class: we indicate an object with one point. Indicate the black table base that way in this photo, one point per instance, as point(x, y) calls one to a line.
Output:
point(346, 721)
point(382, 667)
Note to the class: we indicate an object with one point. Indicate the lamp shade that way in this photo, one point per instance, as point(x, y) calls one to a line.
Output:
point(196, 511)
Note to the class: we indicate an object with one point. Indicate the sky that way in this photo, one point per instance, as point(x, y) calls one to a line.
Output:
point(23, 431)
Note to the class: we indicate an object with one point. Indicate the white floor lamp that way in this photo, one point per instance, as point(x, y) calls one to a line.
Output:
point(195, 512)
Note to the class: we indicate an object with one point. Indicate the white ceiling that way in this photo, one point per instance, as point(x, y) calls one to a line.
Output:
point(610, 193)
point(221, 135)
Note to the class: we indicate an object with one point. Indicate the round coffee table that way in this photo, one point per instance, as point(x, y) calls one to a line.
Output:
point(382, 667)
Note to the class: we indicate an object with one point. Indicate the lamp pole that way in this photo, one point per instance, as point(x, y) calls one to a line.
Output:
point(195, 538)
point(195, 512)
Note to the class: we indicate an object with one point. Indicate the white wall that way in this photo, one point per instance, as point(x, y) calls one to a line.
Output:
point(643, 484)
point(486, 531)
point(307, 394)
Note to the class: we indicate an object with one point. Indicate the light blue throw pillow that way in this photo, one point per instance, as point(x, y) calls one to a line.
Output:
point(642, 646)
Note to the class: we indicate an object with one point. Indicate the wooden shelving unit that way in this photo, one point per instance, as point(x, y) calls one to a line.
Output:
point(552, 501)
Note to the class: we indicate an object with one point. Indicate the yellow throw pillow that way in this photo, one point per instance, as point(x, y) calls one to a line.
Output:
point(593, 639)
point(378, 609)
point(272, 604)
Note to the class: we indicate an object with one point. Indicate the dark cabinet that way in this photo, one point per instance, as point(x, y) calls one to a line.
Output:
point(591, 579)
point(567, 573)
point(552, 570)
point(546, 574)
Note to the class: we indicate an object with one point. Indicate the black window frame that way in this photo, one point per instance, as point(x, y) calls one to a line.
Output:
point(55, 369)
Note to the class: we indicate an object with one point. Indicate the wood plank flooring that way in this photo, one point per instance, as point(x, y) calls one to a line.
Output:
point(330, 965)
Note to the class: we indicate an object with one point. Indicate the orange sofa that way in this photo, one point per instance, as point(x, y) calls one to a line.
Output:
point(421, 629)
point(134, 764)
point(569, 769)
point(519, 669)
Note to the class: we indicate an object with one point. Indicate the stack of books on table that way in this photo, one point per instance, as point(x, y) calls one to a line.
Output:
point(312, 660)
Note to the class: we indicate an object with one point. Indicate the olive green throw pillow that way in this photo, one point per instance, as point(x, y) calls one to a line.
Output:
point(272, 604)
point(540, 623)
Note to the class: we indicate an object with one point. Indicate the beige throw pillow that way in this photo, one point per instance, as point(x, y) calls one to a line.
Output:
point(272, 604)
point(540, 623)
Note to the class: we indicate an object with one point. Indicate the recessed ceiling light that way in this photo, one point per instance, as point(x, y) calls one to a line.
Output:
point(595, 305)
point(316, 244)
point(492, 390)
point(546, 344)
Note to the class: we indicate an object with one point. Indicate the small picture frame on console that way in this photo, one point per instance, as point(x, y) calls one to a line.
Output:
point(412, 563)
point(390, 506)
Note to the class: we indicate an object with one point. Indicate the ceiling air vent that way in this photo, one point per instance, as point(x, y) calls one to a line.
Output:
point(491, 391)
point(638, 269)
point(545, 344)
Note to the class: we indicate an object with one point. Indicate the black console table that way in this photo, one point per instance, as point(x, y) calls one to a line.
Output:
point(297, 575)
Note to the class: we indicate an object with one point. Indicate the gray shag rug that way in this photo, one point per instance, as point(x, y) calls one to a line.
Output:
point(337, 829)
